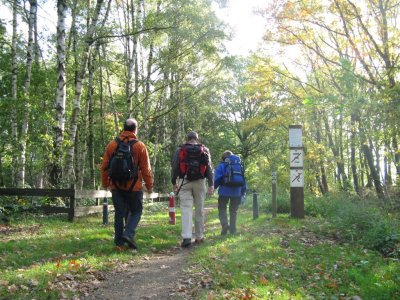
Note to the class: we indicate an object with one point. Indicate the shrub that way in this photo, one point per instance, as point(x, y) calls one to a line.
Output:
point(356, 220)
point(265, 202)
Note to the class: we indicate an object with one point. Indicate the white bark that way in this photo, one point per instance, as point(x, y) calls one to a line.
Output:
point(26, 105)
point(78, 92)
point(14, 71)
point(61, 93)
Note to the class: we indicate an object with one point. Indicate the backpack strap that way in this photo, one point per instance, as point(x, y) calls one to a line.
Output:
point(180, 186)
point(118, 141)
point(133, 142)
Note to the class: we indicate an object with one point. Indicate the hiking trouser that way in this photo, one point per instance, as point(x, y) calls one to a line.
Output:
point(234, 203)
point(127, 205)
point(192, 192)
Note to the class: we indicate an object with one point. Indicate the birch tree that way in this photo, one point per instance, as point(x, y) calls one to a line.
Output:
point(14, 73)
point(25, 114)
point(78, 92)
point(60, 100)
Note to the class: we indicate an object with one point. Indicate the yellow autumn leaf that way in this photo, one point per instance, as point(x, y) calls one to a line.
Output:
point(224, 249)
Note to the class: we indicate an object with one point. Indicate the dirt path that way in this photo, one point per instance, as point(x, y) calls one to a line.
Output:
point(159, 276)
point(154, 277)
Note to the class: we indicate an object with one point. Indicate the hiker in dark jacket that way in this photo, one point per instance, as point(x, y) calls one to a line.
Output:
point(192, 192)
point(228, 194)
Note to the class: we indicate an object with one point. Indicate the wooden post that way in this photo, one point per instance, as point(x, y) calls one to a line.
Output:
point(97, 200)
point(274, 206)
point(296, 172)
point(297, 202)
point(71, 214)
point(255, 205)
point(105, 211)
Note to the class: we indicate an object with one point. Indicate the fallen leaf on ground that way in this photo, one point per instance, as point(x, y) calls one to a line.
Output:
point(164, 267)
point(4, 282)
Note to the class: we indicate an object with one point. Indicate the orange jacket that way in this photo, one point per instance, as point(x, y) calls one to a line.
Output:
point(140, 155)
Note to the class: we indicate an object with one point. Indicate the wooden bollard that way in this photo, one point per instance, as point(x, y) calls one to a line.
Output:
point(105, 211)
point(255, 205)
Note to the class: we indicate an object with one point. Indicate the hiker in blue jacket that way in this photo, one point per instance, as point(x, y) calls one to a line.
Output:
point(231, 184)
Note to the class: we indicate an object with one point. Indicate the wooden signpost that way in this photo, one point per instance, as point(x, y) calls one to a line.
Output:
point(296, 171)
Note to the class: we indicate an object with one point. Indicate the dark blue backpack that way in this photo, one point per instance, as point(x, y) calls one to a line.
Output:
point(233, 173)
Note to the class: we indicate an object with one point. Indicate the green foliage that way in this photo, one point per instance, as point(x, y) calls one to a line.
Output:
point(283, 258)
point(352, 219)
point(265, 202)
point(162, 174)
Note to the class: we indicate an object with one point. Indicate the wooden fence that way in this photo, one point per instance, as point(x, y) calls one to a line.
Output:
point(73, 209)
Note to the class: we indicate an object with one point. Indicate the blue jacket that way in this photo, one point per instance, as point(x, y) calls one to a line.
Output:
point(227, 191)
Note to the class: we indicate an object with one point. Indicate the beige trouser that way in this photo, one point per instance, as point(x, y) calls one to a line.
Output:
point(192, 192)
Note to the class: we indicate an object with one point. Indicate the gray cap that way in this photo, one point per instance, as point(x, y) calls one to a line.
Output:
point(192, 135)
point(226, 154)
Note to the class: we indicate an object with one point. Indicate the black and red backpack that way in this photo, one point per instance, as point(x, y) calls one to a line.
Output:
point(193, 161)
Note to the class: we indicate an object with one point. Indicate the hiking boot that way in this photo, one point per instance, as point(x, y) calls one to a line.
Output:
point(199, 241)
point(225, 229)
point(130, 242)
point(186, 243)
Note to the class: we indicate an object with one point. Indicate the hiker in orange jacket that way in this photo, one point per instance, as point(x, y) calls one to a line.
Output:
point(128, 196)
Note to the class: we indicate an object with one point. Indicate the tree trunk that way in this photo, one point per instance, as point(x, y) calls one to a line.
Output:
point(72, 31)
point(146, 97)
point(78, 92)
point(374, 174)
point(353, 160)
point(108, 82)
point(361, 159)
point(137, 26)
point(339, 163)
point(102, 104)
point(14, 73)
point(23, 138)
point(61, 94)
point(36, 42)
point(1, 167)
point(323, 180)
point(90, 125)
point(101, 85)
point(396, 151)
point(129, 18)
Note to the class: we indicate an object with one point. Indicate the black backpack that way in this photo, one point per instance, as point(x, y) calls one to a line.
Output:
point(122, 167)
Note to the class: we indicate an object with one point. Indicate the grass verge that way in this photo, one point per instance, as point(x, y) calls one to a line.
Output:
point(284, 258)
point(45, 257)
point(280, 258)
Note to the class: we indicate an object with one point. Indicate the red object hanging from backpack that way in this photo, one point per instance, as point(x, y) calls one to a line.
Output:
point(172, 216)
